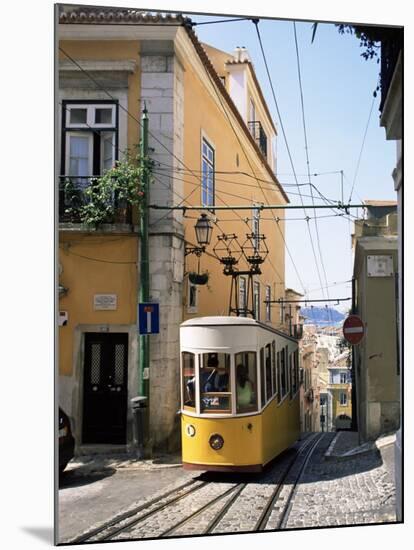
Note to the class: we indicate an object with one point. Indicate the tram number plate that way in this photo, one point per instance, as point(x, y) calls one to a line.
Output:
point(211, 401)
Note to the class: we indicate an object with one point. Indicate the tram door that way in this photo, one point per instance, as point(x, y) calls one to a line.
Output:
point(105, 388)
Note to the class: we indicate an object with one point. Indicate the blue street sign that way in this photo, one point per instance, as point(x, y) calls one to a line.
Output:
point(149, 318)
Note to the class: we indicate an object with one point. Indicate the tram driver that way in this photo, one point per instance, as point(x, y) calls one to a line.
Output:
point(215, 378)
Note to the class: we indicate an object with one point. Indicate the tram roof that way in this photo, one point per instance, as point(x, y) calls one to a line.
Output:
point(219, 320)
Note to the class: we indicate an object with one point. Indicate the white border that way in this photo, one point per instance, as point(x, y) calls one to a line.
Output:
point(27, 259)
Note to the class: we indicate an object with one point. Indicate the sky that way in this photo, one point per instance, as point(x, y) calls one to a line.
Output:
point(337, 86)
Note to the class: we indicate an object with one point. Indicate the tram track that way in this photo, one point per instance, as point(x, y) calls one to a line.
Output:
point(276, 513)
point(126, 519)
point(212, 507)
point(273, 500)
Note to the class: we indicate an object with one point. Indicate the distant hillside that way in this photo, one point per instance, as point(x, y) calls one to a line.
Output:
point(322, 316)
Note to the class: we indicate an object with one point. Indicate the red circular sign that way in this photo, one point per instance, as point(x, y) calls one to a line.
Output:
point(353, 329)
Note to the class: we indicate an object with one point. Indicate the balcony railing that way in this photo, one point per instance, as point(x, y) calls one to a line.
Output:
point(72, 198)
point(296, 331)
point(259, 135)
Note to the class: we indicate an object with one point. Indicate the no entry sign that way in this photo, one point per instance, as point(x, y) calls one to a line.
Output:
point(353, 329)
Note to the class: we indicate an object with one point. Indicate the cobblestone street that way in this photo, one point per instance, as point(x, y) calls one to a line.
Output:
point(356, 490)
point(336, 483)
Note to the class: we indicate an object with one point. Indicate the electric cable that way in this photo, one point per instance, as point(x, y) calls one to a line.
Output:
point(307, 155)
point(362, 147)
point(256, 23)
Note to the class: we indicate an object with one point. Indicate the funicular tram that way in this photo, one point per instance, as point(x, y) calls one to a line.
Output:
point(239, 393)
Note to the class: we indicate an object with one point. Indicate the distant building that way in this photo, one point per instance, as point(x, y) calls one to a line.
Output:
point(308, 389)
point(340, 392)
point(377, 374)
point(324, 422)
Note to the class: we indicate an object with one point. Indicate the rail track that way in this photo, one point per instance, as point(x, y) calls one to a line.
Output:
point(204, 506)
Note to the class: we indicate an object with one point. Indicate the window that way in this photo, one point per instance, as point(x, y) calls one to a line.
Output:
point(192, 298)
point(268, 369)
point(79, 157)
point(89, 139)
point(262, 379)
point(242, 295)
point(188, 379)
point(294, 372)
point(297, 370)
point(256, 229)
point(90, 115)
point(252, 111)
point(283, 370)
point(268, 298)
point(256, 300)
point(343, 398)
point(282, 313)
point(246, 381)
point(343, 378)
point(214, 374)
point(274, 369)
point(207, 174)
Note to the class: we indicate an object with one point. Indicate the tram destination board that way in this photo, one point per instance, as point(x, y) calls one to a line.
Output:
point(353, 329)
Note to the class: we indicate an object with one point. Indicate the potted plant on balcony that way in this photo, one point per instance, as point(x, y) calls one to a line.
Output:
point(109, 196)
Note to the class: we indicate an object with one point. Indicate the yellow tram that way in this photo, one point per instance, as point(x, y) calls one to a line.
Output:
point(239, 393)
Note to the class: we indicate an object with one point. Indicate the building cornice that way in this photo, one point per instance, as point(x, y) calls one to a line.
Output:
point(121, 65)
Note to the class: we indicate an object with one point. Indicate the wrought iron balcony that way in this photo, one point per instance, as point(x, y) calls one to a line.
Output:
point(72, 198)
point(297, 331)
point(259, 135)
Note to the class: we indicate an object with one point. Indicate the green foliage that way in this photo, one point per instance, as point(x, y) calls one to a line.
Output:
point(369, 38)
point(73, 197)
point(117, 188)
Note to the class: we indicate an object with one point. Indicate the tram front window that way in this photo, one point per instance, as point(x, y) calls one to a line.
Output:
point(246, 382)
point(215, 393)
point(188, 380)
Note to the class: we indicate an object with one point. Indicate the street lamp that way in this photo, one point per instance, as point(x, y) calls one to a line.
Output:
point(203, 230)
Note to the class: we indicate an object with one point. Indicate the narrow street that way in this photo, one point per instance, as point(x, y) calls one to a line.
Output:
point(315, 483)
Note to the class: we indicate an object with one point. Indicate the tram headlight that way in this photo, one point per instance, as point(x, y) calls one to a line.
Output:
point(216, 442)
point(190, 430)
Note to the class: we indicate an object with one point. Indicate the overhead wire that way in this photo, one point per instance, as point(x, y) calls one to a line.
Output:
point(256, 23)
point(307, 156)
point(362, 146)
point(247, 185)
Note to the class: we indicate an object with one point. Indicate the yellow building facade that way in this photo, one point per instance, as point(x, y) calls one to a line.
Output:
point(211, 142)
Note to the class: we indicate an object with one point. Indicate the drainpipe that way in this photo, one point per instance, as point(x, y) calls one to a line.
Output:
point(144, 350)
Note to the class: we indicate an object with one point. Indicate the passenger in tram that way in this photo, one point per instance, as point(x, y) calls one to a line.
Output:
point(245, 393)
point(216, 377)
